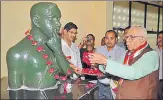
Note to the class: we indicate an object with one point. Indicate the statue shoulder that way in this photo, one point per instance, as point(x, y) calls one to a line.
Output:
point(18, 48)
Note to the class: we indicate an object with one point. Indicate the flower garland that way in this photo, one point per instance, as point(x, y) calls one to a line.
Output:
point(51, 70)
point(49, 63)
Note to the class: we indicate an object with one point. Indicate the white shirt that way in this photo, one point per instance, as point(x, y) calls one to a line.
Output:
point(72, 51)
point(160, 68)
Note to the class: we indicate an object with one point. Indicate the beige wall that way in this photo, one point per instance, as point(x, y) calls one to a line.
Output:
point(90, 16)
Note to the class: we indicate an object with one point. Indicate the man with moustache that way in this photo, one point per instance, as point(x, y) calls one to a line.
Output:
point(111, 51)
point(70, 49)
point(138, 70)
point(159, 50)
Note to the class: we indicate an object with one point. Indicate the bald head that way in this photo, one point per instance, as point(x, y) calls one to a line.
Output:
point(44, 9)
point(135, 37)
point(137, 31)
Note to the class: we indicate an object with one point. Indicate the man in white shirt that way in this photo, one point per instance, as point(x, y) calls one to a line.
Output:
point(70, 49)
point(159, 50)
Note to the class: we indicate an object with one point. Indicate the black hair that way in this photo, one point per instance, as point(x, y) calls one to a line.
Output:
point(69, 26)
point(116, 35)
point(92, 36)
point(161, 32)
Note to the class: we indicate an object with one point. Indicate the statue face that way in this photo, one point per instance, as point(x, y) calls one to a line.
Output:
point(50, 21)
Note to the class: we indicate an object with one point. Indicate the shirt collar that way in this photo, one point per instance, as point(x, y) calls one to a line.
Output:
point(64, 43)
point(114, 48)
point(160, 50)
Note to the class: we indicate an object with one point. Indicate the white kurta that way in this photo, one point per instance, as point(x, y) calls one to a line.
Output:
point(72, 51)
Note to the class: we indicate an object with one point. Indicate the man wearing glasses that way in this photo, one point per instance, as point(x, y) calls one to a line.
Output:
point(138, 70)
point(70, 49)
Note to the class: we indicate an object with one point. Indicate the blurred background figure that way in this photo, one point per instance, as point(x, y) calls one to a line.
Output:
point(159, 50)
point(103, 41)
point(89, 42)
point(61, 32)
point(123, 43)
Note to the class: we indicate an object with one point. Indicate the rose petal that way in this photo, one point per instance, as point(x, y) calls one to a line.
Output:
point(45, 56)
point(40, 48)
point(51, 70)
point(55, 97)
point(63, 78)
point(68, 57)
point(34, 42)
point(69, 71)
point(115, 90)
point(27, 32)
point(90, 85)
point(56, 76)
point(49, 63)
point(63, 97)
point(30, 37)
point(86, 58)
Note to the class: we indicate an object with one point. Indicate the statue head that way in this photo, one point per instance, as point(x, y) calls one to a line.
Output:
point(46, 17)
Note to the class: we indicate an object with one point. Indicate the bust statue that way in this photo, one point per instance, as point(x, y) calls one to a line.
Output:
point(36, 62)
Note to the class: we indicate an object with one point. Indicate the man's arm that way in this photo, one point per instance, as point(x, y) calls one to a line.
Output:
point(79, 64)
point(148, 63)
point(101, 67)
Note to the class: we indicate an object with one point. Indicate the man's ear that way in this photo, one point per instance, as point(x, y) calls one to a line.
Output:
point(64, 31)
point(143, 40)
point(36, 20)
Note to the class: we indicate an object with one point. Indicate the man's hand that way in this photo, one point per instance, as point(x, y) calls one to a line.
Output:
point(100, 75)
point(76, 69)
point(83, 42)
point(97, 58)
point(84, 39)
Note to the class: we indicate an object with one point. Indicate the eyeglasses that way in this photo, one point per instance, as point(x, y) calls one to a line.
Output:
point(131, 37)
point(89, 38)
point(72, 32)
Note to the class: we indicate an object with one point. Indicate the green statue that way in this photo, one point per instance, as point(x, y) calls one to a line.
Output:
point(37, 61)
